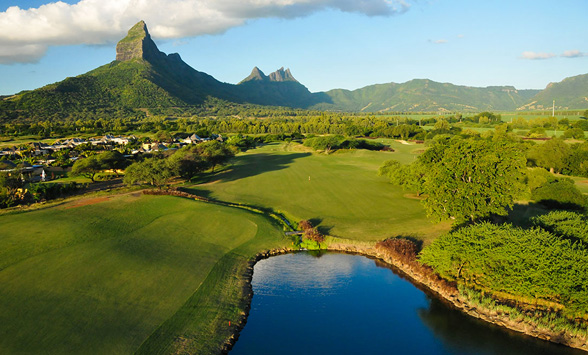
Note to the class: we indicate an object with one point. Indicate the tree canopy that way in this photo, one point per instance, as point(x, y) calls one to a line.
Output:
point(151, 171)
point(87, 167)
point(215, 153)
point(464, 179)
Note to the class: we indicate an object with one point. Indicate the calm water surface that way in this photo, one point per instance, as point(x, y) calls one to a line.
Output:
point(349, 304)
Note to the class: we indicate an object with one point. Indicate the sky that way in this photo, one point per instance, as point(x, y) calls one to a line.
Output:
point(327, 44)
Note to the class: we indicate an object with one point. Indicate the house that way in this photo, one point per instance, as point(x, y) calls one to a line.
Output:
point(193, 139)
point(217, 137)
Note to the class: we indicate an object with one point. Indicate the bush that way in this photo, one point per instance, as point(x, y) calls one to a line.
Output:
point(576, 133)
point(529, 263)
point(399, 248)
point(40, 192)
point(567, 224)
point(560, 193)
point(536, 132)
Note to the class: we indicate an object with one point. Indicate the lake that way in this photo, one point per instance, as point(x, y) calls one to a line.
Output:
point(334, 303)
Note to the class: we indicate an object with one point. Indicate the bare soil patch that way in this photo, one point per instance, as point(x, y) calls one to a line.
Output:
point(86, 202)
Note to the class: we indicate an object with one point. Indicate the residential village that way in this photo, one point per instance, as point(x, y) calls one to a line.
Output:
point(39, 161)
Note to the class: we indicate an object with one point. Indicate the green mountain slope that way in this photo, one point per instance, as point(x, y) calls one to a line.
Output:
point(140, 77)
point(570, 93)
point(426, 95)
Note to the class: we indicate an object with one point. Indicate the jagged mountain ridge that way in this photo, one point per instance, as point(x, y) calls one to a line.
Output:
point(280, 88)
point(142, 77)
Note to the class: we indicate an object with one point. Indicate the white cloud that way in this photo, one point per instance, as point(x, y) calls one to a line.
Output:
point(25, 34)
point(439, 41)
point(536, 56)
point(574, 54)
point(28, 53)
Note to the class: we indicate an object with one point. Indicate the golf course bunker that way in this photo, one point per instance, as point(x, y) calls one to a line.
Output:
point(338, 303)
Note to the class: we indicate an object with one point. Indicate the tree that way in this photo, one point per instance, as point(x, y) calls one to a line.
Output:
point(152, 171)
point(112, 160)
point(550, 155)
point(87, 167)
point(410, 177)
point(577, 162)
point(304, 225)
point(187, 163)
point(325, 143)
point(442, 125)
point(9, 185)
point(468, 179)
point(215, 153)
point(575, 133)
point(314, 235)
point(163, 136)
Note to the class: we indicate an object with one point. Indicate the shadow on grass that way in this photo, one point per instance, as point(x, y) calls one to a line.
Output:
point(255, 164)
point(521, 214)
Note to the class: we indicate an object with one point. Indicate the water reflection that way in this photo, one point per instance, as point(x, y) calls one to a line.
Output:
point(466, 335)
point(349, 304)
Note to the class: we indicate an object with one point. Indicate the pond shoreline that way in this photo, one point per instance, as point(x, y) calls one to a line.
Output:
point(419, 279)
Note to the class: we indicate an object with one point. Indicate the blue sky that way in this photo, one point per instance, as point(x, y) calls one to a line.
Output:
point(327, 44)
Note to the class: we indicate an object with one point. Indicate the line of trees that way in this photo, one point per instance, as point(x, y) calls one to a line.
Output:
point(187, 162)
point(466, 179)
point(93, 164)
point(278, 121)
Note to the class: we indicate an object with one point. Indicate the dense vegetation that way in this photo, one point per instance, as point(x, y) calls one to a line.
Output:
point(328, 143)
point(464, 179)
point(186, 162)
point(531, 264)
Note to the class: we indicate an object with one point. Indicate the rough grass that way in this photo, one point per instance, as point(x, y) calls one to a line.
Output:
point(107, 277)
point(344, 195)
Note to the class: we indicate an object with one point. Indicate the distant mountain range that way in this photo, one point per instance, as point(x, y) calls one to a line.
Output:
point(142, 78)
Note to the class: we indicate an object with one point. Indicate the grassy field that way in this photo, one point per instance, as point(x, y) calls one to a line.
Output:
point(113, 275)
point(341, 191)
point(158, 274)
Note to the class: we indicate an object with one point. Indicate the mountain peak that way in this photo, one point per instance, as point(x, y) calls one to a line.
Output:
point(282, 75)
point(256, 75)
point(137, 45)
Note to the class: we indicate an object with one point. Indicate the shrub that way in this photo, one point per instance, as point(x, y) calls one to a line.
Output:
point(576, 133)
point(567, 224)
point(399, 248)
point(560, 193)
point(529, 263)
point(304, 225)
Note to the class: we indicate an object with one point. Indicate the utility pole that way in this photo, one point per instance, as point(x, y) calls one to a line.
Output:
point(553, 115)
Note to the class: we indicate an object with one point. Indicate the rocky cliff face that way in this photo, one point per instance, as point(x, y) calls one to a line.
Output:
point(138, 45)
point(256, 75)
point(279, 75)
